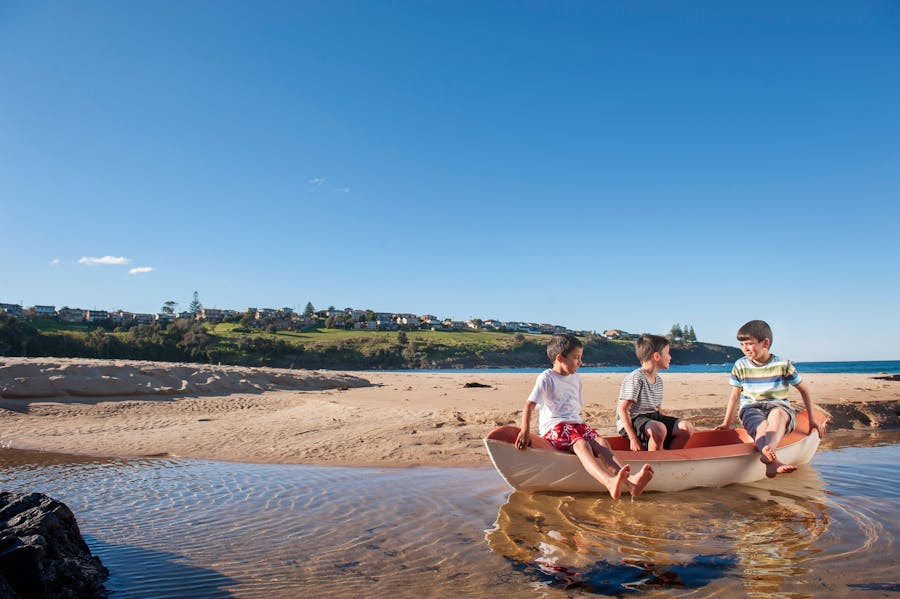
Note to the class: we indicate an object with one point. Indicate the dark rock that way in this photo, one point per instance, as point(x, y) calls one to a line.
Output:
point(888, 377)
point(472, 385)
point(42, 552)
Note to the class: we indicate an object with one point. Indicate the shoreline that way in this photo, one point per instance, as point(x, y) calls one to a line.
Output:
point(334, 418)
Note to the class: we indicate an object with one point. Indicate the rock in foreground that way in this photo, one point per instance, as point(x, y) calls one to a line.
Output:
point(42, 552)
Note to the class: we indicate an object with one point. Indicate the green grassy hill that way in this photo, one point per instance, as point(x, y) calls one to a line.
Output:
point(228, 343)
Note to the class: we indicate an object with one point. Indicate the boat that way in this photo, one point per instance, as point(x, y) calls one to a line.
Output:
point(711, 458)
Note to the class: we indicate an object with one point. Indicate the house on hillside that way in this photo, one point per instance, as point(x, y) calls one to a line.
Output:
point(619, 334)
point(96, 315)
point(11, 309)
point(121, 318)
point(44, 311)
point(66, 314)
point(211, 314)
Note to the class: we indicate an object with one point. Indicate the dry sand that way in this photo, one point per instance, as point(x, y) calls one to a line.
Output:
point(129, 408)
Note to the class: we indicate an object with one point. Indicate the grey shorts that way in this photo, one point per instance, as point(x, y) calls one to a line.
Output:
point(754, 414)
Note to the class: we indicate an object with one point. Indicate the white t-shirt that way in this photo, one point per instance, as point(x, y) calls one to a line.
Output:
point(559, 398)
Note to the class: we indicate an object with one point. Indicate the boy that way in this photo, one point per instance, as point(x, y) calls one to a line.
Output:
point(638, 414)
point(557, 392)
point(761, 381)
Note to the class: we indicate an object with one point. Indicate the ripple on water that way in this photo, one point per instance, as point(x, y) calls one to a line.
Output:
point(187, 528)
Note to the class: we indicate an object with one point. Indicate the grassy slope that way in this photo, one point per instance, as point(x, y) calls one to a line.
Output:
point(338, 348)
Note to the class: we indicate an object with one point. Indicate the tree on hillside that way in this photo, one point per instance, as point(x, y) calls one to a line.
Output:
point(168, 307)
point(195, 305)
point(677, 333)
point(98, 341)
point(370, 315)
point(692, 337)
point(15, 335)
point(401, 337)
point(310, 311)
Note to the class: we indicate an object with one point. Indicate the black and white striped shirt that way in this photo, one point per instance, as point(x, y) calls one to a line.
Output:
point(647, 396)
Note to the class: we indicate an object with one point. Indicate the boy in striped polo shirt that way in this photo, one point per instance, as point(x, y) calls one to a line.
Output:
point(761, 381)
point(638, 414)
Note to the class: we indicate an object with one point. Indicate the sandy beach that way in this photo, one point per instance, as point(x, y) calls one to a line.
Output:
point(129, 408)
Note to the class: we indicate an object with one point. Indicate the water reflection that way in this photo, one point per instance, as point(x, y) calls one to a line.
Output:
point(766, 540)
point(177, 528)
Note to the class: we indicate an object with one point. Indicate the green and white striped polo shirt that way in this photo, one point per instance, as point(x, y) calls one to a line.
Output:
point(766, 382)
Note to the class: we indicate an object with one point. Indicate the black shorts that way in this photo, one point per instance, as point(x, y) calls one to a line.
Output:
point(640, 422)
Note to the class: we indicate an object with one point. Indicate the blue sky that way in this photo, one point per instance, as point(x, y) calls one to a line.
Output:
point(591, 164)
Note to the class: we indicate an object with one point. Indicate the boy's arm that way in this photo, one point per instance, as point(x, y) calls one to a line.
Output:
point(810, 409)
point(524, 440)
point(625, 417)
point(729, 411)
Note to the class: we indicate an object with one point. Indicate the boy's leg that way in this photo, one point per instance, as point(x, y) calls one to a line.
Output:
point(681, 434)
point(656, 435)
point(634, 482)
point(769, 435)
point(612, 482)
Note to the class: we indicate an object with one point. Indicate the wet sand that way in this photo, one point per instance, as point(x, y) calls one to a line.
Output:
point(129, 408)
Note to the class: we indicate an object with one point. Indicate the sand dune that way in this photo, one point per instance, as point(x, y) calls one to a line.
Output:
point(369, 418)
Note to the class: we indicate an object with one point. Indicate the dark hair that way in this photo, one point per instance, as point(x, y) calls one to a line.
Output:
point(561, 344)
point(756, 329)
point(647, 345)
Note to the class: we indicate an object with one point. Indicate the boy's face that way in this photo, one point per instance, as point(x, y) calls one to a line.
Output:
point(663, 358)
point(569, 364)
point(756, 350)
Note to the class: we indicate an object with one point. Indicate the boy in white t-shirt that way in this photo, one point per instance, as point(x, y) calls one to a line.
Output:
point(557, 392)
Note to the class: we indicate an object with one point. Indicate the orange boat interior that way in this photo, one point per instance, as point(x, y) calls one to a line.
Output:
point(711, 443)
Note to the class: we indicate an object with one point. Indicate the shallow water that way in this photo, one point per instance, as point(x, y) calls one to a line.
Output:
point(192, 528)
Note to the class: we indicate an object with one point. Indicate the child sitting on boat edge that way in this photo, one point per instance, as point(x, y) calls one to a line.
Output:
point(638, 413)
point(558, 393)
point(761, 381)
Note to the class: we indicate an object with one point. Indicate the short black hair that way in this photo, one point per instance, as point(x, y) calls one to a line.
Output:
point(647, 345)
point(756, 329)
point(561, 344)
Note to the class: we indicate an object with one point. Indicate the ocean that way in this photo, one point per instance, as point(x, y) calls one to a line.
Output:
point(849, 367)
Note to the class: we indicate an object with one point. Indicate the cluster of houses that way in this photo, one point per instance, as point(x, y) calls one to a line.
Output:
point(288, 319)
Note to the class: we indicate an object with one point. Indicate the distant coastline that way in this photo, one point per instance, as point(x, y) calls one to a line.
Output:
point(887, 367)
point(316, 347)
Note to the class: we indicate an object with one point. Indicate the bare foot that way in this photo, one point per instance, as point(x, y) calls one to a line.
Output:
point(768, 455)
point(640, 480)
point(615, 484)
point(777, 467)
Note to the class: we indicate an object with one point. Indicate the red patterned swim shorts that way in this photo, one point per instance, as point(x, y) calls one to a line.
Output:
point(565, 434)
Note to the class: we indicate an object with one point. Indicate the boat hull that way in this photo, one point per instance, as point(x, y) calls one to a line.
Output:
point(711, 459)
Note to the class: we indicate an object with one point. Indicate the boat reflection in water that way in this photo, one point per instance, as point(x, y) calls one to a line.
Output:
point(758, 537)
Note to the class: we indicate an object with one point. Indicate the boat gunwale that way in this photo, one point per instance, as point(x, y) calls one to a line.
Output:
point(502, 434)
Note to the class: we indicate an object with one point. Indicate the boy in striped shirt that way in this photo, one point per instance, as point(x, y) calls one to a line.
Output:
point(638, 414)
point(761, 381)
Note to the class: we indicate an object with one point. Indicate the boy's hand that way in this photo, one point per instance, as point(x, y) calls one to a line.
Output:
point(523, 440)
point(723, 427)
point(819, 427)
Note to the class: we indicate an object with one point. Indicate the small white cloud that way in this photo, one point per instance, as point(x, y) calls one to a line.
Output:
point(54, 262)
point(343, 190)
point(114, 260)
point(140, 269)
point(317, 181)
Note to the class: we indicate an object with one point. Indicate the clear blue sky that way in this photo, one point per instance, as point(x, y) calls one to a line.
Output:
point(590, 164)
